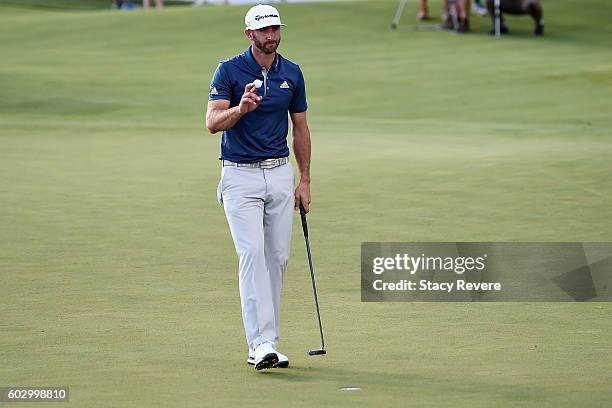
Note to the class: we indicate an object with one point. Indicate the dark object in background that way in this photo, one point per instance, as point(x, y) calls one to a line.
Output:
point(122, 4)
point(519, 7)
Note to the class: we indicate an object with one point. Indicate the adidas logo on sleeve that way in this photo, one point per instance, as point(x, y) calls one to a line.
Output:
point(285, 85)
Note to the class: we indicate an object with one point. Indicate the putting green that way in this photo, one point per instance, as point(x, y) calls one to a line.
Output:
point(118, 271)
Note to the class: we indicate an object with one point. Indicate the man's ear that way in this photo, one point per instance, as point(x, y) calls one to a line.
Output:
point(247, 33)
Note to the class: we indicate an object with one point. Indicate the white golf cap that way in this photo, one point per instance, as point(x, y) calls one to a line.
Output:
point(261, 16)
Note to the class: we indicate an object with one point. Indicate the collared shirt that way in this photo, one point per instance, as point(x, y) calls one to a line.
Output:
point(262, 133)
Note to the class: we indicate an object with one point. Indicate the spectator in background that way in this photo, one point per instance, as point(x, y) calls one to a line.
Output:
point(122, 4)
point(158, 3)
point(460, 9)
point(531, 7)
point(463, 14)
point(423, 13)
point(479, 9)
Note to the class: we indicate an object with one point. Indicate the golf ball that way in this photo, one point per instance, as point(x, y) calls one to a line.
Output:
point(257, 83)
point(350, 389)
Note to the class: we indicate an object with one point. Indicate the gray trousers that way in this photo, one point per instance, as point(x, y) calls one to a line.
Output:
point(258, 205)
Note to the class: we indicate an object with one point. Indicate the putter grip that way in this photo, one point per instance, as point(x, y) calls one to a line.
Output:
point(303, 216)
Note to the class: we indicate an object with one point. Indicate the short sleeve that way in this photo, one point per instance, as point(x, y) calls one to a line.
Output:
point(298, 101)
point(220, 86)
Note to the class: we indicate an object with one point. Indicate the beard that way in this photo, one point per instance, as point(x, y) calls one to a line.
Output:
point(268, 47)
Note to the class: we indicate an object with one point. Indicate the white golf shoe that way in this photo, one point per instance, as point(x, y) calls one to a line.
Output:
point(265, 356)
point(283, 360)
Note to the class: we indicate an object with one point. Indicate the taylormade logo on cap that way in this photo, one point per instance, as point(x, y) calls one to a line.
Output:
point(261, 16)
point(257, 18)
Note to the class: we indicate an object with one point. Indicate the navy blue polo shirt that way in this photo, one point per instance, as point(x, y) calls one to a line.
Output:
point(262, 133)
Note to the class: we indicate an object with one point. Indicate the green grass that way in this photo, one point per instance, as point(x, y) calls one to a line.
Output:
point(118, 270)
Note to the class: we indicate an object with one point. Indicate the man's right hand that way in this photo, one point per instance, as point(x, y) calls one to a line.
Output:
point(250, 100)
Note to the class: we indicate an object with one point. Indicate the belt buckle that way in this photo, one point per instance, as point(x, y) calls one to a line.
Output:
point(268, 163)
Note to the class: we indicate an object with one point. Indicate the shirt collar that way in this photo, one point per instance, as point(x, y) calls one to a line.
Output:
point(250, 59)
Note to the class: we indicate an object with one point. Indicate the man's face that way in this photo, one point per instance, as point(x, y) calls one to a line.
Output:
point(265, 39)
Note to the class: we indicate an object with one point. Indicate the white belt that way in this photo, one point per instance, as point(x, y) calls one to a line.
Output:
point(264, 164)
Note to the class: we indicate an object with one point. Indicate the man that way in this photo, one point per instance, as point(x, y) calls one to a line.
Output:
point(531, 7)
point(249, 98)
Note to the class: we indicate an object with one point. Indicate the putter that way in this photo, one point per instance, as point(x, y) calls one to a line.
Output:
point(320, 351)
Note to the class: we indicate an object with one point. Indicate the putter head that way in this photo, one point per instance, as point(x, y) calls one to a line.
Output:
point(317, 352)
